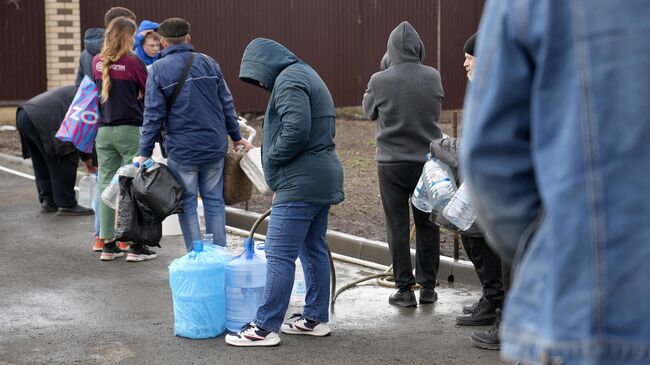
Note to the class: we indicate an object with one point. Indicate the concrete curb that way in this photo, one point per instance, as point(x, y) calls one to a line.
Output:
point(340, 243)
point(361, 248)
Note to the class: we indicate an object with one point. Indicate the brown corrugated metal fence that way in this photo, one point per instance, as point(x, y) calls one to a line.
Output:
point(343, 40)
point(22, 63)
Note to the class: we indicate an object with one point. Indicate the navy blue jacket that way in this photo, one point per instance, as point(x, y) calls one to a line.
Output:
point(298, 152)
point(203, 115)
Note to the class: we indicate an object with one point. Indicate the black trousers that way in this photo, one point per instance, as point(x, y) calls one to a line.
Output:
point(55, 176)
point(396, 183)
point(488, 267)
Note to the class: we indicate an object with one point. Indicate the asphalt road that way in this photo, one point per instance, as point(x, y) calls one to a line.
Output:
point(59, 304)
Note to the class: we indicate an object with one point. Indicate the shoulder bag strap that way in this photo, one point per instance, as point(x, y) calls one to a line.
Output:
point(181, 82)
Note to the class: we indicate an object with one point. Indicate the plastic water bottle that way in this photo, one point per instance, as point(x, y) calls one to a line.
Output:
point(439, 183)
point(299, 288)
point(420, 197)
point(112, 191)
point(147, 164)
point(219, 253)
point(245, 279)
point(208, 240)
point(198, 292)
point(87, 190)
point(459, 210)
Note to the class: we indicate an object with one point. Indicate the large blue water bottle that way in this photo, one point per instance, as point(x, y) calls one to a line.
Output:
point(197, 283)
point(245, 279)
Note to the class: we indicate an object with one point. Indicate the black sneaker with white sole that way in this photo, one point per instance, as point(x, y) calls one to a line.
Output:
point(299, 325)
point(139, 253)
point(250, 335)
point(110, 252)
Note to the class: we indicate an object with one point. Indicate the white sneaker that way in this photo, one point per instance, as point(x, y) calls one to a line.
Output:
point(251, 335)
point(298, 325)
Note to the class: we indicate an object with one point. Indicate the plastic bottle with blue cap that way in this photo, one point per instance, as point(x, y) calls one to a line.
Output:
point(245, 280)
point(197, 282)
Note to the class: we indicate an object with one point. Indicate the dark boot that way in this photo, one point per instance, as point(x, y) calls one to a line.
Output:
point(485, 314)
point(428, 296)
point(48, 206)
point(403, 299)
point(76, 210)
point(467, 309)
point(488, 340)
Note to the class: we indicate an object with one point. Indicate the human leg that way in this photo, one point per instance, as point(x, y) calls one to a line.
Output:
point(211, 189)
point(98, 245)
point(488, 268)
point(188, 177)
point(427, 249)
point(33, 144)
point(314, 256)
point(394, 199)
point(63, 174)
point(287, 231)
point(109, 160)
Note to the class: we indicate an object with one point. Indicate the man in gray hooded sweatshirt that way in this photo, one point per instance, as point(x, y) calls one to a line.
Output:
point(405, 99)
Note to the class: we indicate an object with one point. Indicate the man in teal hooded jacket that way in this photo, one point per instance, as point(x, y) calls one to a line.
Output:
point(302, 167)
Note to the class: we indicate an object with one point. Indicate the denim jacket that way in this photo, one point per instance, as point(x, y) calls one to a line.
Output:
point(556, 143)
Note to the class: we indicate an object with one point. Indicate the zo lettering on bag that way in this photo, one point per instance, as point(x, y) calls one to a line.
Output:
point(86, 116)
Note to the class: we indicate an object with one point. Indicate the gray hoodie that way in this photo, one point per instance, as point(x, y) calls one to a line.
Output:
point(405, 99)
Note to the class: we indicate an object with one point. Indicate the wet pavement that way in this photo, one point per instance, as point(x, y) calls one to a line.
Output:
point(60, 304)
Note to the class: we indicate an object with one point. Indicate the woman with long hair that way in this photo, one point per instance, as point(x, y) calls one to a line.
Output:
point(121, 77)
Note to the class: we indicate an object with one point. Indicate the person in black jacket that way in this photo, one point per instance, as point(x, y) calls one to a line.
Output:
point(55, 162)
point(493, 273)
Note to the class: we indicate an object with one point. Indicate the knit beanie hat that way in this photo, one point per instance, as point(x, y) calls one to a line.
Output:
point(469, 45)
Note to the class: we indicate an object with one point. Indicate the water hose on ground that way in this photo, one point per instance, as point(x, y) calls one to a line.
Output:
point(385, 279)
point(329, 253)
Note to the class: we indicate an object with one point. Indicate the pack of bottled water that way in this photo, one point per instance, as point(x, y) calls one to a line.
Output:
point(435, 188)
point(459, 209)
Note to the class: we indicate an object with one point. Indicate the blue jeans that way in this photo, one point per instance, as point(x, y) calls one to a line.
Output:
point(206, 179)
point(295, 229)
point(96, 204)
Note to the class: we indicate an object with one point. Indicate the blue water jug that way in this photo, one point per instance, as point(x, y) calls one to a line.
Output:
point(245, 279)
point(198, 292)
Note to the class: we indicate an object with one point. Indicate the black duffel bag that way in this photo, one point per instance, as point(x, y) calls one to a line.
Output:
point(157, 192)
point(134, 224)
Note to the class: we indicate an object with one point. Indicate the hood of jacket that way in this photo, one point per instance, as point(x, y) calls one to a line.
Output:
point(147, 25)
point(94, 40)
point(385, 62)
point(404, 46)
point(139, 39)
point(263, 61)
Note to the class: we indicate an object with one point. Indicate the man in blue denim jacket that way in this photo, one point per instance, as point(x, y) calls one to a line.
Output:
point(554, 149)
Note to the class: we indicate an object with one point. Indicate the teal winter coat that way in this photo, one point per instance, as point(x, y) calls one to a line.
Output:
point(298, 150)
